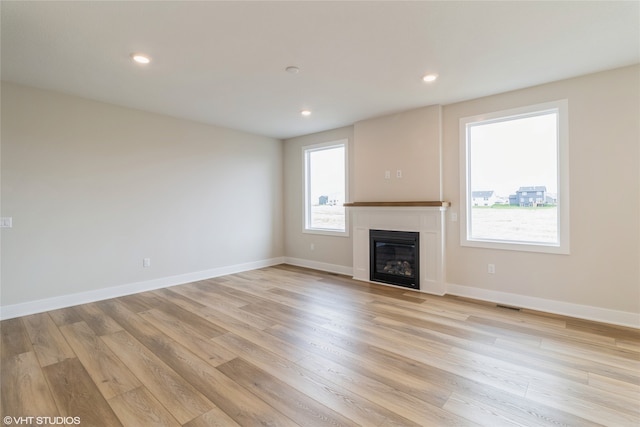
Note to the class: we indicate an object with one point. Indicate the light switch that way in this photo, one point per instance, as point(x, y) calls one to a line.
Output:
point(6, 222)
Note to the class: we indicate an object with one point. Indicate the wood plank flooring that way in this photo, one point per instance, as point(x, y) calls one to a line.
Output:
point(286, 346)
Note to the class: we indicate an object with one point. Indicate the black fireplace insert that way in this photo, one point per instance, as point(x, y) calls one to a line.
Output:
point(394, 257)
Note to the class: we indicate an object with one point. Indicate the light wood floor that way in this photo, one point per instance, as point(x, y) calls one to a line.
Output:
point(285, 346)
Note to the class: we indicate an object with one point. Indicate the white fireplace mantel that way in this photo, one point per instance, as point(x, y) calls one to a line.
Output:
point(426, 218)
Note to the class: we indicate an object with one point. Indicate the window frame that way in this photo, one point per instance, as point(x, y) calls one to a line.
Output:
point(306, 193)
point(562, 152)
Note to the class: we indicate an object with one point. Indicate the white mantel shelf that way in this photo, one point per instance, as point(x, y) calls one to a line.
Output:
point(426, 218)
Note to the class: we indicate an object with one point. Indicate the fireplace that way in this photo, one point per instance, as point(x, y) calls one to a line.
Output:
point(424, 218)
point(395, 257)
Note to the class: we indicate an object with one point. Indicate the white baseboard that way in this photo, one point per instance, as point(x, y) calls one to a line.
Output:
point(614, 317)
point(598, 314)
point(322, 266)
point(54, 303)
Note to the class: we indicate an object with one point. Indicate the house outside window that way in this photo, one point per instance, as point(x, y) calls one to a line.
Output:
point(520, 158)
point(325, 189)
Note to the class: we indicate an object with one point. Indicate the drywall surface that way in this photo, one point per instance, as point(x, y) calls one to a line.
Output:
point(397, 157)
point(94, 189)
point(604, 139)
point(327, 252)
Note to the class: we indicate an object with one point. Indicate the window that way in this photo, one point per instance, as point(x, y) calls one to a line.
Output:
point(516, 154)
point(325, 190)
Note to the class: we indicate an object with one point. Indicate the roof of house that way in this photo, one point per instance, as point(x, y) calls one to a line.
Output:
point(538, 188)
point(483, 194)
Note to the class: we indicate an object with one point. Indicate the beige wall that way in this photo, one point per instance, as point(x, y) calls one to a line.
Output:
point(329, 252)
point(604, 138)
point(602, 271)
point(408, 141)
point(94, 188)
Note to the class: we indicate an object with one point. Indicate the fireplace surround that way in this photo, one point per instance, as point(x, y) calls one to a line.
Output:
point(425, 218)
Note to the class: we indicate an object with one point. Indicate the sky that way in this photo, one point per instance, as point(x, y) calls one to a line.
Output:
point(327, 173)
point(521, 152)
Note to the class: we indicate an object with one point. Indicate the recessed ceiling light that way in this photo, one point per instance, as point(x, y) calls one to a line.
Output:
point(430, 78)
point(140, 58)
point(305, 112)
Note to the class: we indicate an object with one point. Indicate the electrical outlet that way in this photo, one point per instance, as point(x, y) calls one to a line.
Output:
point(491, 268)
point(399, 173)
point(146, 262)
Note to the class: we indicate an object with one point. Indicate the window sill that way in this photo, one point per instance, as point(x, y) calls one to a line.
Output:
point(399, 204)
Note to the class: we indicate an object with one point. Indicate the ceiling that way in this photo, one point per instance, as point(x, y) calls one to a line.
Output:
point(224, 63)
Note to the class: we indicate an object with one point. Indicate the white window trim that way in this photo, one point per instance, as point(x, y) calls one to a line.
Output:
point(563, 246)
point(306, 190)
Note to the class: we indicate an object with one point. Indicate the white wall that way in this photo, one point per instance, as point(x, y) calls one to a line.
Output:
point(604, 138)
point(94, 188)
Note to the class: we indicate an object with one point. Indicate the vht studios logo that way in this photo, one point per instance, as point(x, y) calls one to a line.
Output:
point(9, 420)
